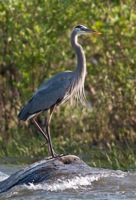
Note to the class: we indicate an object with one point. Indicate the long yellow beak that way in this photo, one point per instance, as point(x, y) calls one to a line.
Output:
point(92, 31)
point(95, 32)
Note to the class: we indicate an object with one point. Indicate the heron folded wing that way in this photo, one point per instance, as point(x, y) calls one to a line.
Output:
point(46, 98)
point(53, 91)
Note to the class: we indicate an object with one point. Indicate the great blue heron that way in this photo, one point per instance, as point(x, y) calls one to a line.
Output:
point(59, 89)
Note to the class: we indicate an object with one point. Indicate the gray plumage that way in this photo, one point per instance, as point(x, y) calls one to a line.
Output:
point(59, 88)
point(54, 91)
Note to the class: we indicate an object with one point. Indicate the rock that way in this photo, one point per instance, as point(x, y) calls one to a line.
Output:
point(43, 171)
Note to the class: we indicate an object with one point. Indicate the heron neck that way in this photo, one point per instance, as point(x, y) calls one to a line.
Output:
point(81, 60)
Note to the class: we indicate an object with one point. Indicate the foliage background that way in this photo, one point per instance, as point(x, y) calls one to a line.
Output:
point(35, 45)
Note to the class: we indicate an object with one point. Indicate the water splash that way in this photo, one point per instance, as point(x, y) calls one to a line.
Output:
point(99, 184)
point(75, 182)
point(62, 184)
point(3, 176)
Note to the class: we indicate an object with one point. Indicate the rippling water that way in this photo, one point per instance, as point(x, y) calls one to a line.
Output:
point(91, 184)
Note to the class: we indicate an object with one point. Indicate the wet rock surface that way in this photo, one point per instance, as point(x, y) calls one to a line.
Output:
point(43, 171)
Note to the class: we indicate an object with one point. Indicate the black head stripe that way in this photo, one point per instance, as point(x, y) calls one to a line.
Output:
point(79, 26)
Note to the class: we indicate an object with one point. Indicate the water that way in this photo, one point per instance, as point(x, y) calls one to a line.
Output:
point(94, 183)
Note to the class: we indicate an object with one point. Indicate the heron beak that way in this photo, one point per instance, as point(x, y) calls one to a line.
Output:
point(93, 32)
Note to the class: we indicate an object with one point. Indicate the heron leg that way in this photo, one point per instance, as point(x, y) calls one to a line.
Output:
point(39, 128)
point(52, 152)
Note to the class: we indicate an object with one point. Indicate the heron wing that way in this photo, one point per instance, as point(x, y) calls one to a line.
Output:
point(49, 93)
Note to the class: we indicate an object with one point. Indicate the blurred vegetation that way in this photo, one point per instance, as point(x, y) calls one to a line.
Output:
point(35, 45)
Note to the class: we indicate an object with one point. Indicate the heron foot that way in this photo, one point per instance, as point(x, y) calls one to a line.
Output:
point(51, 150)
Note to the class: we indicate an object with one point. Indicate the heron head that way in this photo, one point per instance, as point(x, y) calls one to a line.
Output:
point(81, 30)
